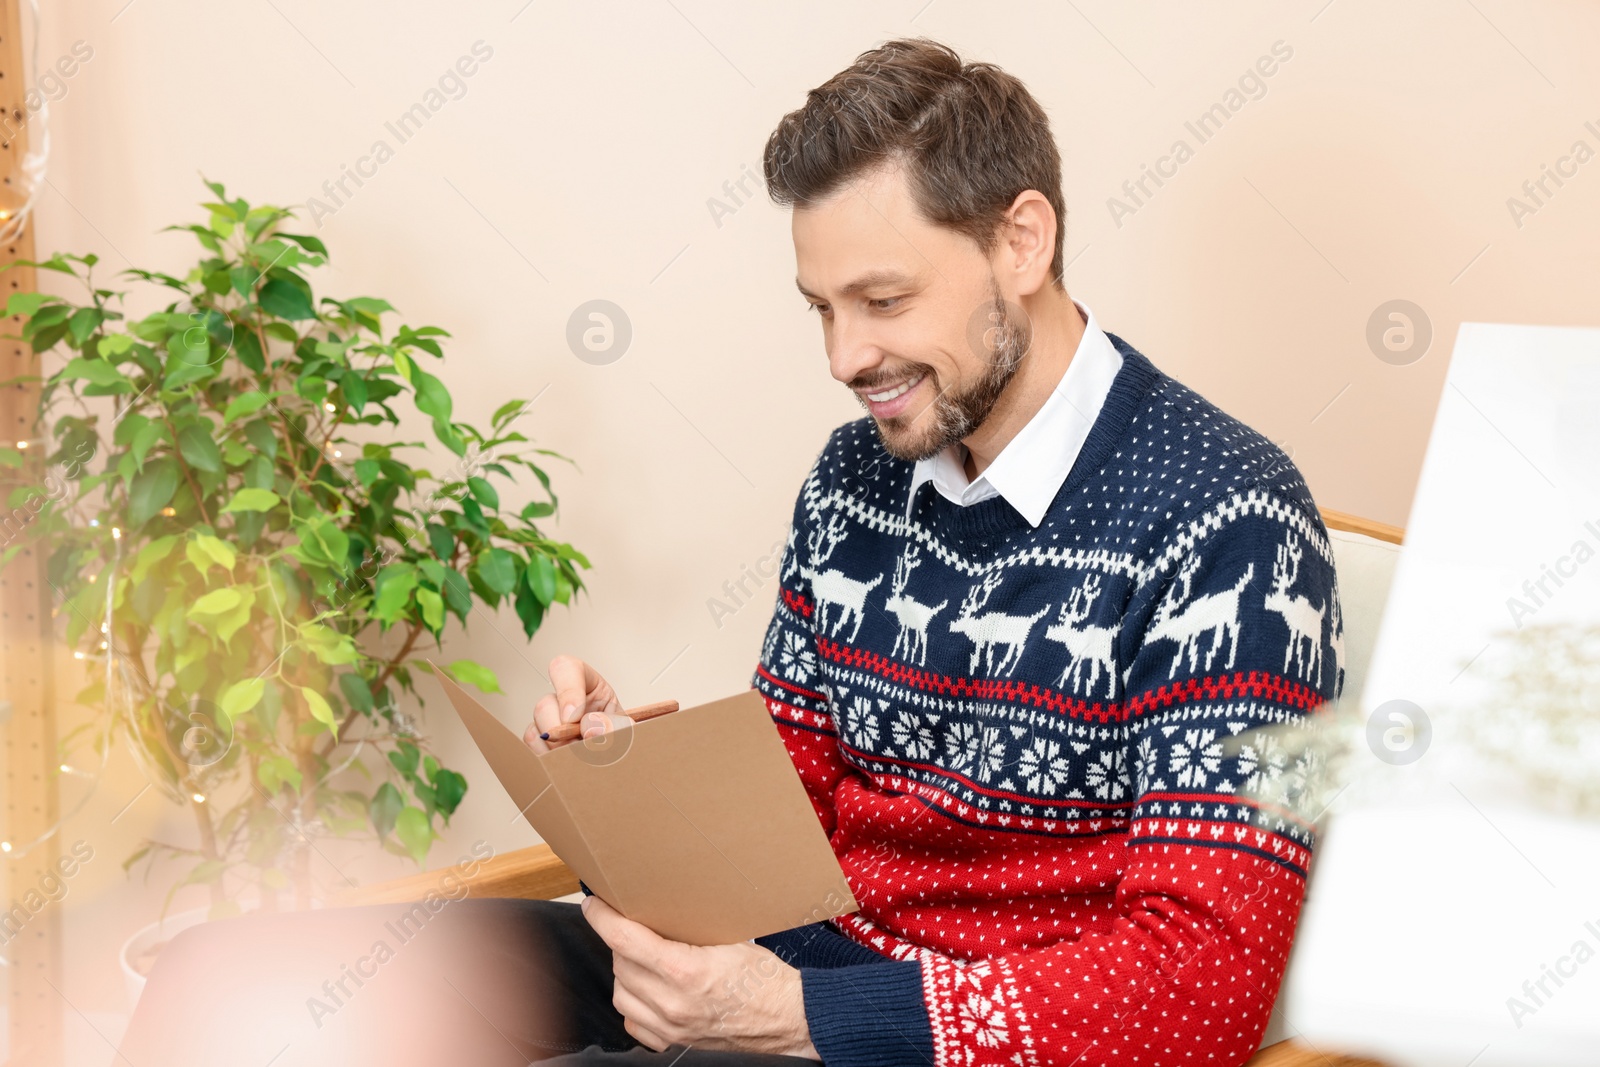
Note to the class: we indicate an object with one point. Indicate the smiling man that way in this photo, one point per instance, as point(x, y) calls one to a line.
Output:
point(1030, 610)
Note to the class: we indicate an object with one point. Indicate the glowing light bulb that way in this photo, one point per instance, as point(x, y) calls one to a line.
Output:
point(116, 533)
point(5, 846)
point(199, 798)
point(169, 512)
point(22, 446)
point(330, 407)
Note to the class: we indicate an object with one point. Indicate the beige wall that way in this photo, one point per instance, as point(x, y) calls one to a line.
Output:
point(579, 165)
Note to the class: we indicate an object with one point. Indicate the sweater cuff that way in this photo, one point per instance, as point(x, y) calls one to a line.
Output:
point(871, 1015)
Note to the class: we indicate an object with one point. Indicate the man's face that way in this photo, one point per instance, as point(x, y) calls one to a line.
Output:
point(912, 318)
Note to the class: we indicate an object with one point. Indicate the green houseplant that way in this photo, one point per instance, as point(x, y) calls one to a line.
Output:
point(231, 536)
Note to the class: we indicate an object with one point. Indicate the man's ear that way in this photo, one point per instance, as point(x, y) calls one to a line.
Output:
point(1026, 252)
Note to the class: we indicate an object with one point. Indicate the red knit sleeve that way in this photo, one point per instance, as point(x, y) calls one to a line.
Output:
point(1187, 974)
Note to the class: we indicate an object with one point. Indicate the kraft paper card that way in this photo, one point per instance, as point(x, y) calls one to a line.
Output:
point(694, 824)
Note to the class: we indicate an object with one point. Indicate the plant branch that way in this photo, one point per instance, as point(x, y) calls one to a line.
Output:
point(322, 453)
point(188, 475)
point(377, 685)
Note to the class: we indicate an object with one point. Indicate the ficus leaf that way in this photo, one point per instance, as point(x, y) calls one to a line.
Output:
point(216, 602)
point(412, 827)
point(24, 304)
point(244, 404)
point(286, 300)
point(432, 397)
point(199, 449)
point(252, 500)
point(498, 569)
point(542, 578)
point(432, 606)
point(357, 692)
point(152, 489)
point(448, 790)
point(240, 697)
point(318, 705)
point(205, 550)
point(394, 585)
point(385, 806)
point(474, 674)
point(97, 371)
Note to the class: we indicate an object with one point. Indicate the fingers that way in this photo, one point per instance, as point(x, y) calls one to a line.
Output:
point(637, 1012)
point(545, 716)
point(595, 723)
point(545, 712)
point(579, 689)
point(623, 936)
point(643, 1034)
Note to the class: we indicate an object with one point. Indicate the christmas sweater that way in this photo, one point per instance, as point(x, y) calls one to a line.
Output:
point(1032, 748)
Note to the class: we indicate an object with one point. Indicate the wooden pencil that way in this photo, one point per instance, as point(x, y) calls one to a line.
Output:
point(569, 731)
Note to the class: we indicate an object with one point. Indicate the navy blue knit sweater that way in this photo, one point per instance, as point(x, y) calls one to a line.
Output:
point(1031, 747)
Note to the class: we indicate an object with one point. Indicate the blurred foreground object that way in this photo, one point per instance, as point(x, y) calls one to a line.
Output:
point(1453, 913)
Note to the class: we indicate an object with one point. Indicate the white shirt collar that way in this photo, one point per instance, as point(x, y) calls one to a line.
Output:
point(1029, 471)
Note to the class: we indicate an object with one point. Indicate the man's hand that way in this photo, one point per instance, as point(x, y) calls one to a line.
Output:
point(581, 695)
point(728, 997)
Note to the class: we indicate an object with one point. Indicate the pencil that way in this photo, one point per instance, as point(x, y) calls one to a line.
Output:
point(569, 731)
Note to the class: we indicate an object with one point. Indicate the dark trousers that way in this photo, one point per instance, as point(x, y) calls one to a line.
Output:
point(467, 983)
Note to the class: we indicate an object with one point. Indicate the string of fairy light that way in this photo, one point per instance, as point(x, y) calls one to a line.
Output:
point(116, 671)
point(13, 221)
point(29, 181)
point(31, 170)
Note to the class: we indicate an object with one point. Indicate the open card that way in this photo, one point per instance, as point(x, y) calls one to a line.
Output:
point(694, 824)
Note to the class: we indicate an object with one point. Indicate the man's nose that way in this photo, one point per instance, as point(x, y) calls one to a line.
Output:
point(852, 350)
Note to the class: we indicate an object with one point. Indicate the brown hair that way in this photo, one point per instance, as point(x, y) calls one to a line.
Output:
point(971, 135)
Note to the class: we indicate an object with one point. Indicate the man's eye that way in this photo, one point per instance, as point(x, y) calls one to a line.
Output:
point(821, 309)
point(886, 303)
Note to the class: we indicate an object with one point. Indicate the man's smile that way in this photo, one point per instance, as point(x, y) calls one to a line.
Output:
point(888, 402)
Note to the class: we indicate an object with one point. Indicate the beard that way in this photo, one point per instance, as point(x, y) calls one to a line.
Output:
point(956, 413)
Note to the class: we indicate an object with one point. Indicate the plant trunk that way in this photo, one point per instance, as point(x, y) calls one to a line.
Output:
point(267, 897)
point(307, 811)
point(208, 846)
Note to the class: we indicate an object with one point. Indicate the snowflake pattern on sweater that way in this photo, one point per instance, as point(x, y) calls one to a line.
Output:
point(1030, 747)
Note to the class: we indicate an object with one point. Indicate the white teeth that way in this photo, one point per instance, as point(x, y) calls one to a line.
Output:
point(890, 394)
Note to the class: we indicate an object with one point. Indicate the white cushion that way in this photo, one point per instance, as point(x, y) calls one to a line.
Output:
point(1365, 566)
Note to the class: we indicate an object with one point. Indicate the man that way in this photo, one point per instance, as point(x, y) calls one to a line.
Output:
point(1026, 604)
point(1031, 608)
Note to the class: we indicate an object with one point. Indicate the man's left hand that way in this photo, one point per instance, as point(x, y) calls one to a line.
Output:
point(730, 997)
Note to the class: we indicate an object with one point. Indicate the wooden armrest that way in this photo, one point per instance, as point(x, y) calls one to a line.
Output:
point(1338, 520)
point(1294, 1054)
point(526, 874)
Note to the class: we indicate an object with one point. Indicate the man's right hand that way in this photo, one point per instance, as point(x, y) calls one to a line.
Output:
point(580, 696)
